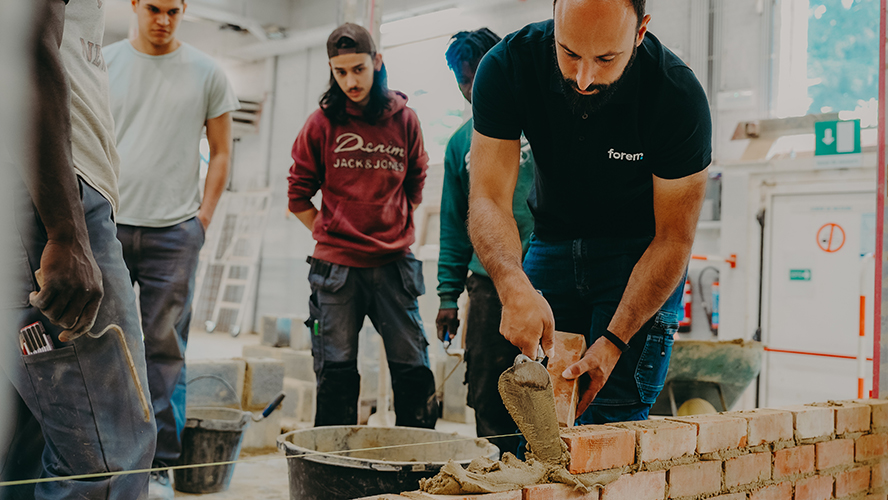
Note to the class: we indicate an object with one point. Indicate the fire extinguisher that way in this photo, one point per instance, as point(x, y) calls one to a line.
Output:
point(684, 325)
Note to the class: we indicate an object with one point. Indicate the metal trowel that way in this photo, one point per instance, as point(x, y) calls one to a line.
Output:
point(527, 393)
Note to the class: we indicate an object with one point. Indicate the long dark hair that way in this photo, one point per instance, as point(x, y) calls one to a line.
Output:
point(333, 101)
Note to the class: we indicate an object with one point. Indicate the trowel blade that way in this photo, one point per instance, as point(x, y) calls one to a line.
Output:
point(527, 393)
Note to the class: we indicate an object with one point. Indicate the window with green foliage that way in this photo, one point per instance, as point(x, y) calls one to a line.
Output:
point(827, 58)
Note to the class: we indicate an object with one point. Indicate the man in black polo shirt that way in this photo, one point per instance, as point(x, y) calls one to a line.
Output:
point(621, 133)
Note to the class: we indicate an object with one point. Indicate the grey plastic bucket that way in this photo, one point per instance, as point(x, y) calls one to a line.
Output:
point(328, 476)
point(211, 435)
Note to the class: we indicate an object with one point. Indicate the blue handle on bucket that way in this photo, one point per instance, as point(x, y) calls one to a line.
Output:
point(273, 405)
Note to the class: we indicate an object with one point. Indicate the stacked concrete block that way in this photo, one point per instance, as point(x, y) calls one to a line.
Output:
point(835, 450)
point(297, 381)
point(285, 331)
point(263, 381)
point(211, 381)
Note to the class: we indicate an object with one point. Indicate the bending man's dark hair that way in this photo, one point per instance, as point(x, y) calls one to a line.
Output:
point(638, 5)
point(468, 47)
point(333, 101)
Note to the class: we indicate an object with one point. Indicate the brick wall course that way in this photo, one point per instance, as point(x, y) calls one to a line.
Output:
point(598, 447)
point(663, 439)
point(639, 486)
point(851, 417)
point(814, 488)
point(557, 492)
point(766, 425)
point(747, 469)
point(812, 421)
point(852, 482)
point(717, 432)
point(701, 478)
point(870, 447)
point(831, 454)
point(879, 475)
point(793, 461)
point(779, 491)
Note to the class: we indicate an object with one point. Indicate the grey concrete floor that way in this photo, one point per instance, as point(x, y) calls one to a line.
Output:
point(264, 474)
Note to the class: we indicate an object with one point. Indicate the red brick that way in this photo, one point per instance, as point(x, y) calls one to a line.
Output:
point(834, 453)
point(747, 469)
point(717, 432)
point(852, 481)
point(640, 486)
point(792, 461)
point(598, 447)
point(880, 475)
point(877, 496)
point(732, 496)
point(701, 478)
point(812, 421)
point(814, 488)
point(557, 492)
point(852, 417)
point(870, 447)
point(878, 411)
point(663, 439)
point(569, 348)
point(781, 491)
point(766, 426)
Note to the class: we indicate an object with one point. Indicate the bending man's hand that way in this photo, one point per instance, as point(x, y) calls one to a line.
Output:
point(447, 323)
point(70, 287)
point(528, 321)
point(594, 369)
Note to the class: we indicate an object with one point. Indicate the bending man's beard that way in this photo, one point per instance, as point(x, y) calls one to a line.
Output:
point(587, 104)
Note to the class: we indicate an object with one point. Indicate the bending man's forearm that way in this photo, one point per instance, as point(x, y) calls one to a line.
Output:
point(654, 278)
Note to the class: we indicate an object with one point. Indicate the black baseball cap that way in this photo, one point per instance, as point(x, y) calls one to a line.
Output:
point(363, 42)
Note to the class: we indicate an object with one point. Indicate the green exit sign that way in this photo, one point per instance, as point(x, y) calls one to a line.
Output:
point(799, 275)
point(837, 137)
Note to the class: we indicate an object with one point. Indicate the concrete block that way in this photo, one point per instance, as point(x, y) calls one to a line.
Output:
point(871, 447)
point(852, 482)
point(765, 425)
point(717, 432)
point(814, 488)
point(829, 454)
point(780, 491)
point(264, 380)
point(297, 364)
point(812, 421)
point(793, 461)
point(701, 478)
point(264, 433)
point(747, 469)
point(598, 447)
point(275, 331)
point(662, 439)
point(210, 382)
point(557, 492)
point(568, 349)
point(639, 486)
point(300, 401)
point(455, 390)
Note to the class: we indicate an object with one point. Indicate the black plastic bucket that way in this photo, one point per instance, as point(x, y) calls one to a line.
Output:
point(340, 476)
point(211, 435)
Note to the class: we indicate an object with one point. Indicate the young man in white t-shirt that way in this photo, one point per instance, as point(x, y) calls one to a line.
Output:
point(163, 93)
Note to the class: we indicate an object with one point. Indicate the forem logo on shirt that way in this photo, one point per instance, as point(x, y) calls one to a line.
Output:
point(350, 142)
point(616, 155)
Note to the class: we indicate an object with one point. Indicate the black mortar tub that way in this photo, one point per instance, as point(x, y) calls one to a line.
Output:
point(346, 462)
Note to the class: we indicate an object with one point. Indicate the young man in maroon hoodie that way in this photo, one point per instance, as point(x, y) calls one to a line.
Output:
point(363, 149)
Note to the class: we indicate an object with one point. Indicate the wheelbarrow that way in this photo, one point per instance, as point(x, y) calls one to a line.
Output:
point(716, 372)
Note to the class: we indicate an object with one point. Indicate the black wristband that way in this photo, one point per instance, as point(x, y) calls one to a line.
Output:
point(617, 341)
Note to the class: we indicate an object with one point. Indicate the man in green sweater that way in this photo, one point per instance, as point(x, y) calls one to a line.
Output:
point(488, 353)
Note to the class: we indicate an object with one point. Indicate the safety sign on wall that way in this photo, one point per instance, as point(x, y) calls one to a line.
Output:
point(831, 238)
point(837, 144)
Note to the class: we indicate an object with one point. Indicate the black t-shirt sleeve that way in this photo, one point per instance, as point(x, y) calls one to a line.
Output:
point(494, 106)
point(682, 128)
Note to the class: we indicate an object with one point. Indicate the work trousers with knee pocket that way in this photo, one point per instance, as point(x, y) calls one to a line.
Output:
point(341, 296)
point(583, 281)
point(77, 410)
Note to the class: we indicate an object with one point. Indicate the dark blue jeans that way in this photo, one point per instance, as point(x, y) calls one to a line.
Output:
point(163, 261)
point(341, 297)
point(77, 411)
point(583, 281)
